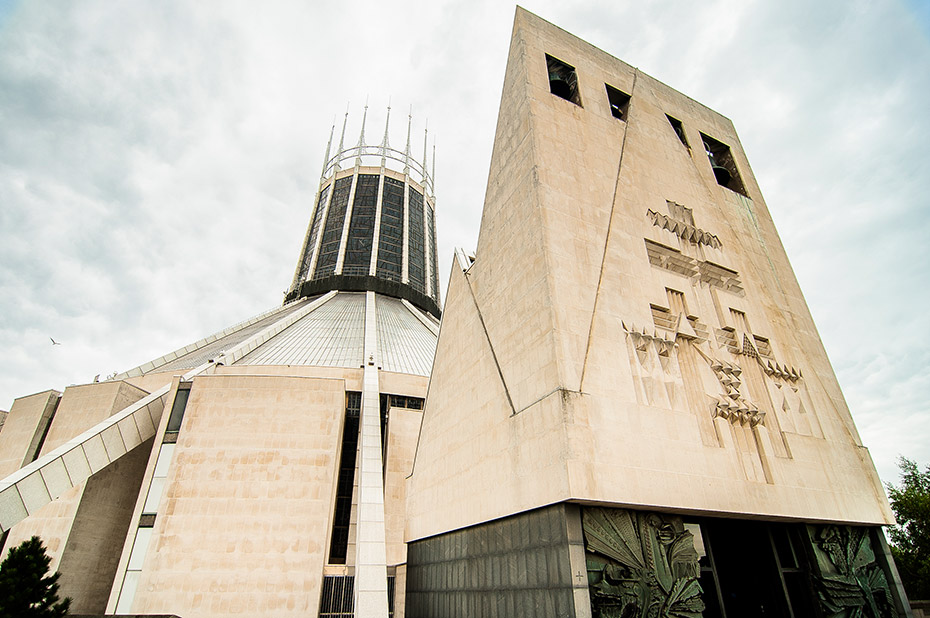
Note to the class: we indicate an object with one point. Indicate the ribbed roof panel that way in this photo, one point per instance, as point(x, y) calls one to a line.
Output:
point(206, 351)
point(405, 344)
point(333, 335)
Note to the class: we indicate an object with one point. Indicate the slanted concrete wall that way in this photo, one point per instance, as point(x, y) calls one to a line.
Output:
point(23, 430)
point(244, 520)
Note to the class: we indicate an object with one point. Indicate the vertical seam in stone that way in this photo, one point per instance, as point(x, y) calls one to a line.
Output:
point(487, 337)
point(610, 220)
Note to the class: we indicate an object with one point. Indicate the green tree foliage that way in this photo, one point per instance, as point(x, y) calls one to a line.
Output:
point(911, 537)
point(26, 588)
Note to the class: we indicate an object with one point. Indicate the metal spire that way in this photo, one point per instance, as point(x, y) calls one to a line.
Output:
point(342, 137)
point(425, 135)
point(432, 184)
point(407, 148)
point(361, 136)
point(329, 145)
point(384, 142)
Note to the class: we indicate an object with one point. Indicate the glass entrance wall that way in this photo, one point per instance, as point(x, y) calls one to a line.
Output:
point(729, 568)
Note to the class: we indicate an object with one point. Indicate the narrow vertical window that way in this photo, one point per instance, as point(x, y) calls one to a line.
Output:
point(619, 102)
point(362, 226)
point(434, 269)
point(723, 165)
point(563, 81)
point(315, 225)
point(416, 266)
point(332, 231)
point(177, 409)
point(339, 543)
point(391, 234)
point(679, 130)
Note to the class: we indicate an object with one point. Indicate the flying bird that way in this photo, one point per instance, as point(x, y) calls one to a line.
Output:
point(54, 342)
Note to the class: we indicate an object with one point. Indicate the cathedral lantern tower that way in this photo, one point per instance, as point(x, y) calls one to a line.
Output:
point(373, 226)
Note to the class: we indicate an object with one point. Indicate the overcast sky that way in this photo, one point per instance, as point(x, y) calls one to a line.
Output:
point(158, 160)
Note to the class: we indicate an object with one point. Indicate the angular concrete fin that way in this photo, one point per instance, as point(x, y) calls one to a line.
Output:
point(27, 490)
point(466, 406)
point(684, 327)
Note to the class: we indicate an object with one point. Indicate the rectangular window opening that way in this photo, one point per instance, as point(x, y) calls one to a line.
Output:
point(345, 484)
point(563, 81)
point(723, 165)
point(679, 130)
point(337, 599)
point(178, 407)
point(619, 102)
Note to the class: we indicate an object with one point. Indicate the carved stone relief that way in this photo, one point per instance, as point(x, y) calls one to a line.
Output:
point(683, 226)
point(640, 565)
point(655, 370)
point(752, 399)
point(849, 581)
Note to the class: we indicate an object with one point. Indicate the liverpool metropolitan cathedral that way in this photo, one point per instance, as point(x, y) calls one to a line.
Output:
point(622, 409)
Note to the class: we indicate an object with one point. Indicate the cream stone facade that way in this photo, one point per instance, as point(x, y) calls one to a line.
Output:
point(628, 410)
point(629, 341)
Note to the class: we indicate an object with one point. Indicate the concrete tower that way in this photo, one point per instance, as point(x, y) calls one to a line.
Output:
point(629, 363)
point(273, 484)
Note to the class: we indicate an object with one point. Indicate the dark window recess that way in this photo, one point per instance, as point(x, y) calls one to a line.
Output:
point(385, 409)
point(679, 130)
point(314, 232)
point(431, 226)
point(332, 232)
point(402, 401)
point(388, 402)
point(794, 568)
point(391, 233)
point(361, 226)
point(390, 593)
point(147, 520)
point(177, 409)
point(619, 102)
point(338, 597)
point(563, 81)
point(708, 578)
point(339, 542)
point(721, 161)
point(416, 265)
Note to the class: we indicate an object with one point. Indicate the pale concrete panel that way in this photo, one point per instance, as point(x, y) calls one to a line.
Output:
point(113, 442)
point(56, 477)
point(92, 550)
point(403, 430)
point(129, 432)
point(51, 523)
point(12, 508)
point(23, 428)
point(351, 377)
point(510, 277)
point(85, 405)
point(34, 492)
point(96, 453)
point(151, 382)
point(402, 384)
point(470, 439)
point(76, 464)
point(244, 518)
